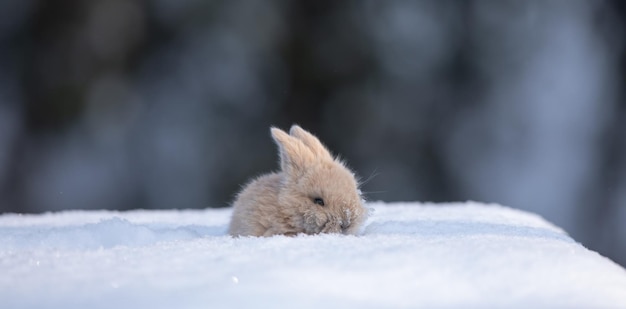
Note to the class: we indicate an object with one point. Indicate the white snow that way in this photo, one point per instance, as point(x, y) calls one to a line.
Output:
point(462, 255)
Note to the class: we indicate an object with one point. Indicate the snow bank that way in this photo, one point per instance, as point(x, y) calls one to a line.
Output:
point(410, 255)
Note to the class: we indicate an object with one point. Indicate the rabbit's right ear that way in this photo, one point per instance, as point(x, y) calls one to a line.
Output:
point(295, 156)
point(310, 140)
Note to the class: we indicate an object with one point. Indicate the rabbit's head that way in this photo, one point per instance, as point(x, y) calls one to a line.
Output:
point(318, 192)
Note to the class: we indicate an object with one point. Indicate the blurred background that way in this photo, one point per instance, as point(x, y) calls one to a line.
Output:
point(122, 104)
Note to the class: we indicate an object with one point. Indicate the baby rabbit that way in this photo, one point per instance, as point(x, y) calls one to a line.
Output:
point(312, 193)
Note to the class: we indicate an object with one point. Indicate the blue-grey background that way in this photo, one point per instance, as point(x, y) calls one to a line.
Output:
point(123, 104)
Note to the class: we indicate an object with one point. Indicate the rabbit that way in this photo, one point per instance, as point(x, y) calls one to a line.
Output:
point(312, 193)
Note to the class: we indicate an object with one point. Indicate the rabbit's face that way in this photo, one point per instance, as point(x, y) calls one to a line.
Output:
point(318, 194)
point(326, 199)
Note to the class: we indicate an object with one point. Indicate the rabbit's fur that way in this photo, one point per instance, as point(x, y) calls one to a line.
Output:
point(289, 202)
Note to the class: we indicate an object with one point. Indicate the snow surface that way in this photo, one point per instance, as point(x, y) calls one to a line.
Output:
point(462, 255)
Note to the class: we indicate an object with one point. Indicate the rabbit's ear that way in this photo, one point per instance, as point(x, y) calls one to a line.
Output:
point(295, 156)
point(311, 141)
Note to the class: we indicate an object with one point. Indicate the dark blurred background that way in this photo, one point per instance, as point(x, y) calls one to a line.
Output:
point(122, 104)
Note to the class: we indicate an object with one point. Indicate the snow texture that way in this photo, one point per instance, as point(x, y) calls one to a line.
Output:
point(463, 255)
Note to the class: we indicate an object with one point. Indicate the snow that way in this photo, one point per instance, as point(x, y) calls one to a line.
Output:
point(457, 255)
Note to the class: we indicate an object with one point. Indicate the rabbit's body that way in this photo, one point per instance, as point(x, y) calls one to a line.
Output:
point(313, 193)
point(256, 211)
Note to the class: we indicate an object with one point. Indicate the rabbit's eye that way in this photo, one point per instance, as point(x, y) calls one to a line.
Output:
point(318, 201)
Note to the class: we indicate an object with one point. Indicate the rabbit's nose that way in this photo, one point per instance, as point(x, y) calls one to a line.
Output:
point(344, 226)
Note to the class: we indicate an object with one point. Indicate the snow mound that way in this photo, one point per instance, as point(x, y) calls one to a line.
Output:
point(100, 229)
point(409, 255)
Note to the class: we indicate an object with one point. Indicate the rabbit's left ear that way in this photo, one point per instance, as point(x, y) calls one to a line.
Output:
point(295, 156)
point(311, 141)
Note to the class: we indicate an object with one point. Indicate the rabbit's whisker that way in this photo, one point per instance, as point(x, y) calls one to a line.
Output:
point(371, 176)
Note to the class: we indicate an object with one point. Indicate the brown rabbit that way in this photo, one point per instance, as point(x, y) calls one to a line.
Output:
point(313, 193)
